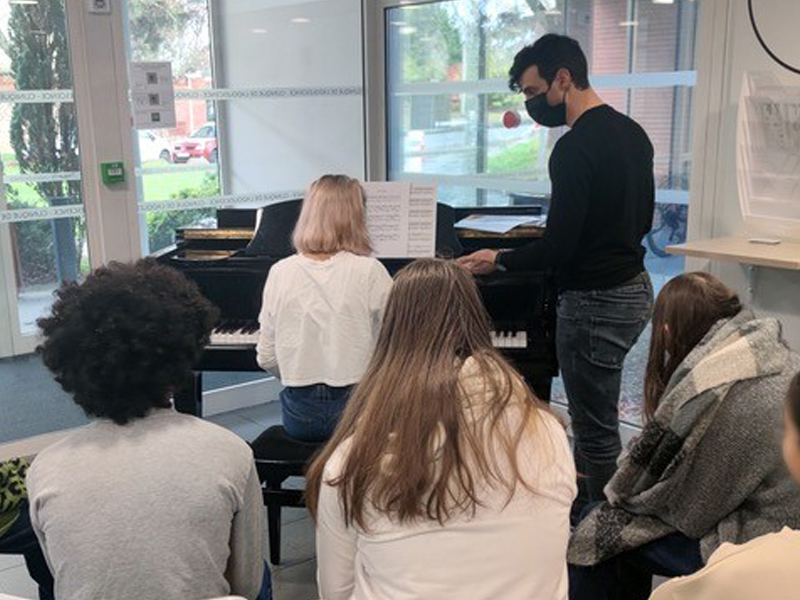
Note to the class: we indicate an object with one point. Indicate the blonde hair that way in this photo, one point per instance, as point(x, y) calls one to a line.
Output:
point(333, 218)
point(411, 405)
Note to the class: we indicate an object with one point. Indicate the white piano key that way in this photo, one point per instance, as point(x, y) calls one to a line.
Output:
point(509, 339)
point(233, 338)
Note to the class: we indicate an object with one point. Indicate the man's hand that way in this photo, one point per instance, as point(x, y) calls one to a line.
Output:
point(480, 262)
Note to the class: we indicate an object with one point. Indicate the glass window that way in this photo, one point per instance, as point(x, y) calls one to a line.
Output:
point(182, 162)
point(261, 111)
point(43, 235)
point(249, 132)
point(447, 89)
point(40, 157)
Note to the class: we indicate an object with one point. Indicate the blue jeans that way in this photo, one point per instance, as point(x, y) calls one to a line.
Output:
point(21, 539)
point(266, 585)
point(629, 576)
point(311, 412)
point(594, 332)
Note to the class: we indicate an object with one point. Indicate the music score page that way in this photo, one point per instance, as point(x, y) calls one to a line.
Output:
point(401, 219)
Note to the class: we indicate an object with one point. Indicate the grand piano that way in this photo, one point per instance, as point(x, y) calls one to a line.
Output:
point(230, 265)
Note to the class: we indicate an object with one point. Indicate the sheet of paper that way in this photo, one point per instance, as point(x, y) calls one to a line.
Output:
point(401, 219)
point(152, 95)
point(499, 223)
point(422, 221)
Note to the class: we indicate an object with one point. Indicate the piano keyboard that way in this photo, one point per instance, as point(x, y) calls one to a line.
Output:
point(238, 334)
point(510, 339)
point(235, 333)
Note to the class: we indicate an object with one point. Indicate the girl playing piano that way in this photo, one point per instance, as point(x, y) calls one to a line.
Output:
point(322, 309)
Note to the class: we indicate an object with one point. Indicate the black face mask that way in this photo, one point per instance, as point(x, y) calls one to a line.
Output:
point(544, 114)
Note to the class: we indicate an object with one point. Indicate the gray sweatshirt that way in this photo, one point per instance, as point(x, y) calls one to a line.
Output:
point(167, 507)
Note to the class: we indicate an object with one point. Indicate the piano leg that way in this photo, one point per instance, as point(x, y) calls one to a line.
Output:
point(189, 399)
point(541, 387)
point(540, 382)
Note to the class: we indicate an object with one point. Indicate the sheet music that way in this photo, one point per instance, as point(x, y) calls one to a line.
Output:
point(499, 223)
point(422, 221)
point(401, 219)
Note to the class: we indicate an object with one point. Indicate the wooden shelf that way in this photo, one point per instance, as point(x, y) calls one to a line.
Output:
point(785, 255)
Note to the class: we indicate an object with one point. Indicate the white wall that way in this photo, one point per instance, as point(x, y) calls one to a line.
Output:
point(728, 50)
point(283, 144)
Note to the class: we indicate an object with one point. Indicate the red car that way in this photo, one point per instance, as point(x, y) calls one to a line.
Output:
point(202, 144)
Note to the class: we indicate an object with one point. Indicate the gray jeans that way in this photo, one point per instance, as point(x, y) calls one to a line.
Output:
point(594, 333)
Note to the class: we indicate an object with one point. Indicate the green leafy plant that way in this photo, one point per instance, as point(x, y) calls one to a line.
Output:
point(161, 226)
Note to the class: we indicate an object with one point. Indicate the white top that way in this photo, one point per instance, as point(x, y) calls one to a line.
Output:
point(766, 567)
point(320, 319)
point(506, 551)
point(167, 507)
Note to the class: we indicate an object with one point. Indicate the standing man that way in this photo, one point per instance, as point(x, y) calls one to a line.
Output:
point(601, 207)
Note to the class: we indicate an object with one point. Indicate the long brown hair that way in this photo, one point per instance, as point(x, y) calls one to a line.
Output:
point(686, 309)
point(420, 443)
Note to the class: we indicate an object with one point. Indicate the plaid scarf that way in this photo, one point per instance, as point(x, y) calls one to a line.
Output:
point(654, 469)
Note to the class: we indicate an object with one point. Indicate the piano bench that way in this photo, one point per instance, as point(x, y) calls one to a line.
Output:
point(279, 457)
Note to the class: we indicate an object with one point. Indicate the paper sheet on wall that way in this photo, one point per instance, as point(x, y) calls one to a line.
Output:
point(152, 95)
point(401, 218)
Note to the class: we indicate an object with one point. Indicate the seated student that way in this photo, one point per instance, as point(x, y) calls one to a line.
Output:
point(766, 567)
point(16, 534)
point(705, 469)
point(446, 478)
point(322, 309)
point(143, 503)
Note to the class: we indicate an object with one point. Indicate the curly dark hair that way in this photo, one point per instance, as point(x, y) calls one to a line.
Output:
point(123, 340)
point(550, 53)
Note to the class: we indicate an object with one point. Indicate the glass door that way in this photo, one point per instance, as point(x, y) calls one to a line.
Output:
point(43, 236)
point(44, 240)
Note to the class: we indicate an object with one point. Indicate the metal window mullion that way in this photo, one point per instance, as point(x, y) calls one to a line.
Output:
point(498, 86)
point(173, 169)
point(271, 93)
point(21, 215)
point(220, 201)
point(220, 112)
point(35, 96)
point(42, 177)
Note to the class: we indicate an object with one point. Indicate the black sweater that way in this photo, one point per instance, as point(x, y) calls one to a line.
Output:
point(603, 196)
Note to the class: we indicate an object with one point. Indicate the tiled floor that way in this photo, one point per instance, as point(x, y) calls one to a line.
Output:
point(294, 579)
point(14, 578)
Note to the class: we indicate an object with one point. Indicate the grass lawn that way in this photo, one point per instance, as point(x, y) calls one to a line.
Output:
point(162, 186)
point(167, 186)
point(517, 159)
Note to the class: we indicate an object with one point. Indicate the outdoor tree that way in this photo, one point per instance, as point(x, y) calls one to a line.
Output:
point(177, 26)
point(441, 49)
point(44, 135)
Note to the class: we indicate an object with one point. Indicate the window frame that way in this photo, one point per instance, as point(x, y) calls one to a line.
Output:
point(376, 57)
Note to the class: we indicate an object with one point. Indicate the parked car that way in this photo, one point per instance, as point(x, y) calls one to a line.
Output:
point(201, 144)
point(153, 147)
